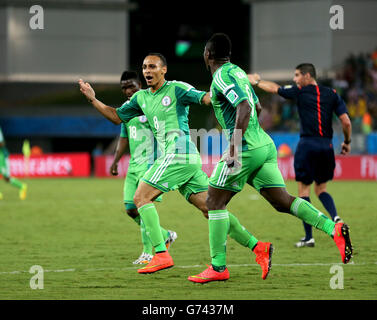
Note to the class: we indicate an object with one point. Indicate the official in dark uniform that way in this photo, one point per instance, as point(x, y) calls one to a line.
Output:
point(314, 159)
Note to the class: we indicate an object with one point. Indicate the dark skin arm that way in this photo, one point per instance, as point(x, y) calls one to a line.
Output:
point(242, 121)
point(122, 146)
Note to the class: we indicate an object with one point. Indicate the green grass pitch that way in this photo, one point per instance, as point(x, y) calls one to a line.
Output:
point(77, 231)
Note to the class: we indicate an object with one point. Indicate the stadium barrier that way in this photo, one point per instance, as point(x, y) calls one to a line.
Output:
point(354, 167)
point(51, 165)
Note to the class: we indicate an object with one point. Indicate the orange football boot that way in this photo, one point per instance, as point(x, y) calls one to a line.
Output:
point(209, 275)
point(263, 251)
point(160, 261)
point(343, 241)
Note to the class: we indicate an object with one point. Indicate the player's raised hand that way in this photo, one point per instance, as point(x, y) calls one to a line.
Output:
point(87, 90)
point(253, 78)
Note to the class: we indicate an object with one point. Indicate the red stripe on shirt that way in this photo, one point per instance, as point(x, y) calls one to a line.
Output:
point(319, 110)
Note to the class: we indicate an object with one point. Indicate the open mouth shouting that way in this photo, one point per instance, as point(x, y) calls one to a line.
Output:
point(149, 79)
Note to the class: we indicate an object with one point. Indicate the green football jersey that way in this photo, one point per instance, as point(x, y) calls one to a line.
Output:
point(167, 112)
point(141, 143)
point(229, 87)
point(3, 149)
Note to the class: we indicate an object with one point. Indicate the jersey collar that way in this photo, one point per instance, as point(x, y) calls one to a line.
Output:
point(158, 90)
point(218, 70)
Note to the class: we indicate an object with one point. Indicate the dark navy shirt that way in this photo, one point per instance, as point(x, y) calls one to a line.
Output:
point(316, 105)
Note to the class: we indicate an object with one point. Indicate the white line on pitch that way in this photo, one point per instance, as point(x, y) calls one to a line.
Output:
point(197, 266)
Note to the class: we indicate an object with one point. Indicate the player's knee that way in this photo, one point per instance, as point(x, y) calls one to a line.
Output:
point(139, 200)
point(283, 204)
point(279, 206)
point(279, 198)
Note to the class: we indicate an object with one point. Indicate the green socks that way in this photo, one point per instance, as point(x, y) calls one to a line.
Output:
point(221, 223)
point(149, 217)
point(309, 214)
point(165, 233)
point(239, 233)
point(218, 224)
point(147, 245)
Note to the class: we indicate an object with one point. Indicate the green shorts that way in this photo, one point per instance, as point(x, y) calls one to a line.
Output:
point(4, 164)
point(259, 168)
point(178, 171)
point(130, 185)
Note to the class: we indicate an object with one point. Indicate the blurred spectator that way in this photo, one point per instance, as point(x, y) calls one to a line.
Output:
point(98, 150)
point(373, 75)
point(36, 151)
point(366, 126)
point(284, 151)
point(356, 83)
point(374, 58)
point(340, 84)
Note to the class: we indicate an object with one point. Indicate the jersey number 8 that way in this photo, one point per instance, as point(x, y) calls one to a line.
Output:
point(155, 121)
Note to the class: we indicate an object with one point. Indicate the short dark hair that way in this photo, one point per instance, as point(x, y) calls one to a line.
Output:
point(128, 75)
point(219, 46)
point(162, 58)
point(307, 68)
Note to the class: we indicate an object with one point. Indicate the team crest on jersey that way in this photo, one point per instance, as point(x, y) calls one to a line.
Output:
point(166, 101)
point(232, 96)
point(143, 119)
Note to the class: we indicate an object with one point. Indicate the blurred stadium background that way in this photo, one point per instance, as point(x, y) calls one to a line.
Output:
point(97, 40)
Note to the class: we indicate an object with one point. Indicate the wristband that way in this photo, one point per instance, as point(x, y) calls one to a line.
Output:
point(347, 142)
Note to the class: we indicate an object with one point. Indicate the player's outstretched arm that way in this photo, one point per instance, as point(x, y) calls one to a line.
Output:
point(121, 148)
point(107, 111)
point(268, 86)
point(347, 132)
